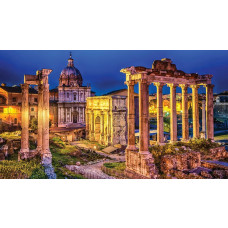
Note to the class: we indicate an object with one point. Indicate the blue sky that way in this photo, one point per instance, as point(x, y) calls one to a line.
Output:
point(101, 69)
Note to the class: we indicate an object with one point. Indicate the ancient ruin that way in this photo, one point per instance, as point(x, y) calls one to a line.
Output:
point(106, 119)
point(40, 79)
point(139, 161)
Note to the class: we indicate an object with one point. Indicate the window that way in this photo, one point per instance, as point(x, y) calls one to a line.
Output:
point(1, 109)
point(35, 100)
point(75, 97)
point(68, 95)
point(32, 109)
point(14, 99)
point(15, 121)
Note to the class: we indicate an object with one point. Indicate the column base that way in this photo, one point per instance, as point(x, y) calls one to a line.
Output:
point(203, 135)
point(184, 140)
point(39, 149)
point(131, 147)
point(140, 165)
point(46, 157)
point(25, 154)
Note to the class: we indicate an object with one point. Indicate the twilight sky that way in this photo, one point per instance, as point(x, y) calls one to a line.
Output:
point(101, 69)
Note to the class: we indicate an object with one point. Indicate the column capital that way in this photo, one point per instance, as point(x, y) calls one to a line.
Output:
point(25, 86)
point(194, 86)
point(209, 86)
point(172, 85)
point(130, 83)
point(183, 86)
point(144, 81)
point(159, 84)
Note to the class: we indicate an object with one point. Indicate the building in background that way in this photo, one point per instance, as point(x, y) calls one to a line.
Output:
point(10, 105)
point(72, 97)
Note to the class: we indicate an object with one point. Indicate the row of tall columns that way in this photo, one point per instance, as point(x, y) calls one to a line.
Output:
point(144, 113)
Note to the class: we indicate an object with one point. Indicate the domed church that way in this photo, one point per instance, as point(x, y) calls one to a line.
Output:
point(72, 96)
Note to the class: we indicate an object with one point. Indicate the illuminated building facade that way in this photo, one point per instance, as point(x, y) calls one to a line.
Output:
point(10, 104)
point(106, 119)
point(72, 97)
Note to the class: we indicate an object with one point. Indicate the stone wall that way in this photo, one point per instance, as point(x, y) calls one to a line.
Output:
point(180, 162)
point(216, 154)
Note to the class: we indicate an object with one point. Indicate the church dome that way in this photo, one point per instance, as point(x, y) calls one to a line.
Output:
point(70, 75)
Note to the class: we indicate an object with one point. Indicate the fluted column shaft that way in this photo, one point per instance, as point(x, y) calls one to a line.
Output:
point(160, 126)
point(143, 116)
point(40, 118)
point(173, 113)
point(102, 126)
point(195, 111)
point(185, 126)
point(25, 119)
point(209, 111)
point(131, 116)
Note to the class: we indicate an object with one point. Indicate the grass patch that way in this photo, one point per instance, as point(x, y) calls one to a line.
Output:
point(120, 166)
point(16, 135)
point(65, 154)
point(22, 169)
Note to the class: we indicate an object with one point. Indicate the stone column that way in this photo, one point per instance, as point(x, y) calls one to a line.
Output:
point(209, 112)
point(185, 125)
point(40, 118)
point(160, 126)
point(24, 152)
point(143, 116)
point(46, 154)
point(131, 115)
point(195, 110)
point(173, 113)
point(203, 118)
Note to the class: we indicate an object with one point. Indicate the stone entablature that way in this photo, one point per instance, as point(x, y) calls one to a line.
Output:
point(164, 72)
point(106, 119)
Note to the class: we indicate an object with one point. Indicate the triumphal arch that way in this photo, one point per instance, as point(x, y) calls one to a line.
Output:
point(163, 72)
point(40, 79)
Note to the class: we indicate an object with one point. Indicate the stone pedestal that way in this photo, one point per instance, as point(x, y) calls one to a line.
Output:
point(160, 121)
point(140, 166)
point(24, 152)
point(185, 125)
point(173, 113)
